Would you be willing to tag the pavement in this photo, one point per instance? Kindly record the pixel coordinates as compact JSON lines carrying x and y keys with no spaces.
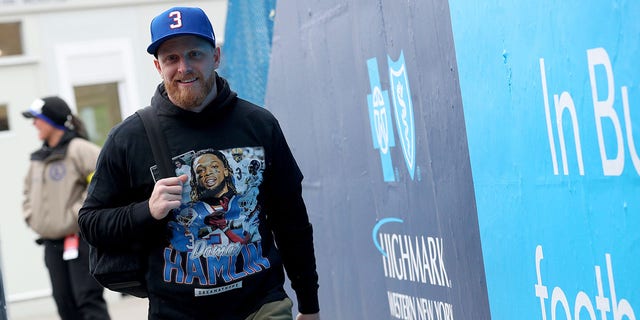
{"x":120,"y":308}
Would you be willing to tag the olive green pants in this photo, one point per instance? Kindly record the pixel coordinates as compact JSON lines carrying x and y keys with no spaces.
{"x":277,"y":310}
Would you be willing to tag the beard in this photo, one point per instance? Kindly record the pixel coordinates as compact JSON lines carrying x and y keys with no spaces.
{"x":193,"y":96}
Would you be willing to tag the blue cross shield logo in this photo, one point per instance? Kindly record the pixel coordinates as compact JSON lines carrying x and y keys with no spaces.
{"x":403,"y":109}
{"x":380,"y":120}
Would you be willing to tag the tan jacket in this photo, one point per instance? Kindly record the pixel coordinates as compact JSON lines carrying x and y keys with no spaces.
{"x":55,"y":188}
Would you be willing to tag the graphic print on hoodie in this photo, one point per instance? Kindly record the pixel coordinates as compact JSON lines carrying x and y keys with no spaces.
{"x":214,"y":237}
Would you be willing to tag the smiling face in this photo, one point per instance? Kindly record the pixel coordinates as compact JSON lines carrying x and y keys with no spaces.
{"x":187,"y":65}
{"x":211,"y":173}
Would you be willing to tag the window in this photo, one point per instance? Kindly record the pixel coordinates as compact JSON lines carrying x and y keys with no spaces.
{"x":4,"y":120}
{"x":10,"y":39}
{"x":99,"y":109}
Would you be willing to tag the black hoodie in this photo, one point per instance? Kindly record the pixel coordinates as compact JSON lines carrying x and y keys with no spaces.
{"x":215,"y":257}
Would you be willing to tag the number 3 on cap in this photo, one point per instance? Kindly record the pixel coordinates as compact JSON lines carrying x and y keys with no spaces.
{"x":177,"y":17}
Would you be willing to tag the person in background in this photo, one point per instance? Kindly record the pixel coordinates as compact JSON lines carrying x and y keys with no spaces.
{"x":54,"y":190}
{"x":193,"y":276}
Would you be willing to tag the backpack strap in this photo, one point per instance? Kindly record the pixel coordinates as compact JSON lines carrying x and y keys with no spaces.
{"x":159,"y":145}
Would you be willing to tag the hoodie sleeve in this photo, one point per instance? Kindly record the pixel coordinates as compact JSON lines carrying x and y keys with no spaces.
{"x":115,"y":214}
{"x":290,"y":223}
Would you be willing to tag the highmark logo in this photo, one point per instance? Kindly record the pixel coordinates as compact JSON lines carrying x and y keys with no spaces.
{"x":380,"y":116}
{"x":411,"y":258}
{"x":376,"y":229}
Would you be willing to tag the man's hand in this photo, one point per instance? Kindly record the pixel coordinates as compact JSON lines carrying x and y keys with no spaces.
{"x":166,"y":196}
{"x":312,"y":316}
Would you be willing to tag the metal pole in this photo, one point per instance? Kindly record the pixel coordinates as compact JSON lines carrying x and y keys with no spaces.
{"x":3,"y":303}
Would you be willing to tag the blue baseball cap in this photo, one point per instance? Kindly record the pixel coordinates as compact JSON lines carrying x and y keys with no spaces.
{"x":179,"y":21}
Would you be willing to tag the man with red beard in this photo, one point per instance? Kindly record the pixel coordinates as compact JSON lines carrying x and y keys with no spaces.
{"x":125,"y":210}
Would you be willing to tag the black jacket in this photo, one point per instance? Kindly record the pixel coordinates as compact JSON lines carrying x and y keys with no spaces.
{"x":215,"y":257}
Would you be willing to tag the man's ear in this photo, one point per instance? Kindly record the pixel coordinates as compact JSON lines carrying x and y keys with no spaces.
{"x":157,"y":64}
{"x":216,"y":57}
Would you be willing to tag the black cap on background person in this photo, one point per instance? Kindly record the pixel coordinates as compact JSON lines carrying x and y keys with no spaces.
{"x":53,"y":110}
{"x":56,"y":112}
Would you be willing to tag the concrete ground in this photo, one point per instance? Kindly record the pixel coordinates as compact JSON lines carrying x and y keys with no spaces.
{"x":120,"y":308}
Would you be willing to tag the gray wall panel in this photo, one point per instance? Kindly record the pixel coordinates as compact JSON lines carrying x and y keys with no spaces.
{"x":318,"y":87}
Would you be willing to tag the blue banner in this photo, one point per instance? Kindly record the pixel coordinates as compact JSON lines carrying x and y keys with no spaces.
{"x":551,"y":93}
